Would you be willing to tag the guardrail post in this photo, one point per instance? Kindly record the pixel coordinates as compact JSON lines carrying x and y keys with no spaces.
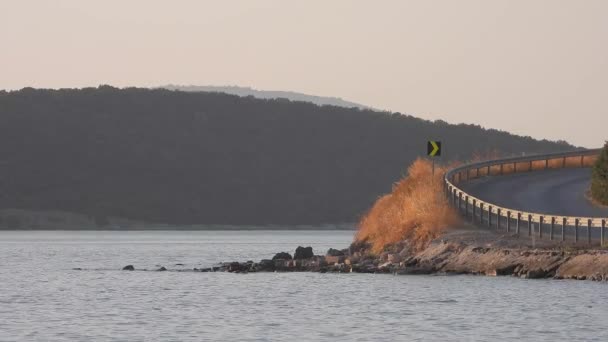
{"x":518,"y":223}
{"x":466,"y":206}
{"x":540,"y":227}
{"x":481,"y":213}
{"x":588,"y":231}
{"x":473,"y":216}
{"x":602,"y":232}
{"x":564,"y":220}
{"x":477,"y":173}
{"x":490,"y":216}
{"x":546,"y":164}
{"x":460,"y":201}
{"x":530,"y":166}
{"x":564,"y":163}
{"x":454,"y":197}
{"x":514,"y":167}
{"x":508,"y":221}
{"x":501,"y":168}
{"x":529,"y":225}
{"x":575,"y":230}
{"x":582,"y":160}
{"x":552,"y":227}
{"x":488,"y":171}
{"x":498,"y":219}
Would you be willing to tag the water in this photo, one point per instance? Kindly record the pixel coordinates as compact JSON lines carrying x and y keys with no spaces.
{"x":43,"y":299}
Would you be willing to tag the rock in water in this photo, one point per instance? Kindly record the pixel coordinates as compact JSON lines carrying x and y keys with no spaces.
{"x":128,"y":268}
{"x":235,"y":267}
{"x":303,"y":253}
{"x":334,"y":252}
{"x":282,"y":256}
{"x":162,"y":269}
{"x":266,"y":265}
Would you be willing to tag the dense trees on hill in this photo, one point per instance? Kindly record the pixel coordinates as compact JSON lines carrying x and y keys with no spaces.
{"x":599,"y":179}
{"x":184,"y":158}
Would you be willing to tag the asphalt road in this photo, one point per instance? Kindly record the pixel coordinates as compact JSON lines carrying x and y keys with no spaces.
{"x":554,"y":192}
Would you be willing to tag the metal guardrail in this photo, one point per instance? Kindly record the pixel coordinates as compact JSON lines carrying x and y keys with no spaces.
{"x":493,"y":215}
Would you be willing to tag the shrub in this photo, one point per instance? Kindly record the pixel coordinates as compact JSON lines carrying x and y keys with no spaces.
{"x":599,"y":178}
{"x":416,"y":210}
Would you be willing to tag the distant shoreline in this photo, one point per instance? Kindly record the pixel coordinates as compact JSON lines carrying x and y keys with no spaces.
{"x":168,"y":229}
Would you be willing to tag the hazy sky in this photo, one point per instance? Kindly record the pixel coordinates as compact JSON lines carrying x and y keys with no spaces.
{"x":537,"y":68}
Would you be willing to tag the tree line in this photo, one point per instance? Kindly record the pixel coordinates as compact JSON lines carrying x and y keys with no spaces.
{"x":196,"y":157}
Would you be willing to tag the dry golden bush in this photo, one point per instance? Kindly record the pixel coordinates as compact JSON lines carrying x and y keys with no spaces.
{"x":416,"y":210}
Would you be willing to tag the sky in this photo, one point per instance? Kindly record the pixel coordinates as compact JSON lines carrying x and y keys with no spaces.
{"x":531,"y":67}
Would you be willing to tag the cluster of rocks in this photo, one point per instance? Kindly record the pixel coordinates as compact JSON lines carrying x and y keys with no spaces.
{"x":356,"y":259}
{"x":303,"y":260}
{"x":440,"y":256}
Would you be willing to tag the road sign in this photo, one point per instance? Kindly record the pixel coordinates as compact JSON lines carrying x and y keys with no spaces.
{"x":433,"y":148}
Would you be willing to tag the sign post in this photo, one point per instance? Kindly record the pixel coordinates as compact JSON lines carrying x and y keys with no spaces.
{"x":433,"y":149}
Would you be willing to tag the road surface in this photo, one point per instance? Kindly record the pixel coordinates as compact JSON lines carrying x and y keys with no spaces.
{"x":560,"y":192}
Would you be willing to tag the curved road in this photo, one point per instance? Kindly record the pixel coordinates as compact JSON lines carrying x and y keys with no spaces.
{"x":559,"y":192}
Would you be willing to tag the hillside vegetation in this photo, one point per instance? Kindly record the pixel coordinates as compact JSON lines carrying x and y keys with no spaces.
{"x":191,"y":158}
{"x":599,"y":178}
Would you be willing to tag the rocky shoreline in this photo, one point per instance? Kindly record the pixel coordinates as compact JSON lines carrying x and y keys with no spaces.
{"x":508,"y":256}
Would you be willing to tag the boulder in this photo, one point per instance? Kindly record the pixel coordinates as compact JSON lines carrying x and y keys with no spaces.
{"x":282,"y":256}
{"x":385,"y":265}
{"x":265,"y":265}
{"x":303,"y":253}
{"x":284,"y":265}
{"x":334,"y":252}
{"x":128,"y":268}
{"x":506,"y":270}
{"x":161,"y":269}
{"x":537,"y":274}
{"x":331,"y":260}
{"x":393,"y":258}
{"x":235,"y":267}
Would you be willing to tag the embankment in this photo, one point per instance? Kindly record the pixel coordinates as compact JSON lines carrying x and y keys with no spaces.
{"x":463,"y":251}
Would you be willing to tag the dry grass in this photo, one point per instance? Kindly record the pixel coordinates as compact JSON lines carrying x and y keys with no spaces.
{"x":416,"y":210}
{"x":486,"y":155}
{"x":558,"y":163}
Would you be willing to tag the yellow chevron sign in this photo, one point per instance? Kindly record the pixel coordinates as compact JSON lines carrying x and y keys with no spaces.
{"x":433,"y":148}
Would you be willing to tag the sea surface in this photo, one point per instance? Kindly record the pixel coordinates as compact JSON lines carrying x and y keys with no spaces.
{"x":43,"y":299}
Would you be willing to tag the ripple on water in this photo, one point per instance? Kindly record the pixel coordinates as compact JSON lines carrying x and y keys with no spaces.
{"x":42,"y":298}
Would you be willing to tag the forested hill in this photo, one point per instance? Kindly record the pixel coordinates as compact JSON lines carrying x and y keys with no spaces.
{"x":192,"y":158}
